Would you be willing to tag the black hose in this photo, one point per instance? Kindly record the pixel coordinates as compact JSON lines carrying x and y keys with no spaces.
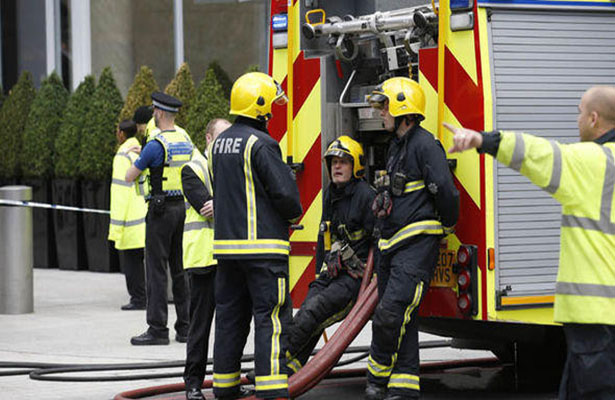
{"x":45,"y":371}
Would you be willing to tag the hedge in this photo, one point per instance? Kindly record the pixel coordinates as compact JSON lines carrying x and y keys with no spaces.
{"x":139,"y":93}
{"x":182,"y":87}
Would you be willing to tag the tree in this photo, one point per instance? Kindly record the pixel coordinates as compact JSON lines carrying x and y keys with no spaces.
{"x":42,"y":127}
{"x":68,"y":141}
{"x":223,"y":79}
{"x":98,"y":140}
{"x":139,"y":93}
{"x":182,"y":87}
{"x":210,"y":103}
{"x":12,"y":123}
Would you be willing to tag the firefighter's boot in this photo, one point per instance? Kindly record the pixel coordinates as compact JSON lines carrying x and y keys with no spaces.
{"x":374,"y":391}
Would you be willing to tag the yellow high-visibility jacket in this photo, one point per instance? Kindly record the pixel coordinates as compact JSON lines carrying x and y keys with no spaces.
{"x":127,"y":226}
{"x":198,"y":239}
{"x":581,"y":177}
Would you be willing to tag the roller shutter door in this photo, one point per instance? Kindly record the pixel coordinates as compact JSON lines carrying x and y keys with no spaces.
{"x":542,"y":63}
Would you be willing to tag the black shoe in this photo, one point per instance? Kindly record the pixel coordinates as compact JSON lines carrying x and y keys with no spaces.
{"x":132,"y":307}
{"x":239,"y":395}
{"x":194,"y":394}
{"x":181,"y":338}
{"x":399,"y":397}
{"x":374,"y":391}
{"x":147,"y":339}
{"x":251,"y":376}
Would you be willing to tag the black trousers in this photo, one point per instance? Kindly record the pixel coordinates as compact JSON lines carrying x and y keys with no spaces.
{"x":202,"y":306}
{"x":402,"y":282}
{"x":131,"y":264}
{"x":590,"y":362}
{"x":246,"y":288}
{"x":163,"y":245}
{"x":328,"y":301}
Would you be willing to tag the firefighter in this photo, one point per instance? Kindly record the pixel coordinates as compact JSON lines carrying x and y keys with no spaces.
{"x":163,"y":157}
{"x":127,"y":224}
{"x":344,"y":239}
{"x":256,"y":199}
{"x":581,"y":176}
{"x":198,"y":242}
{"x":417,"y":203}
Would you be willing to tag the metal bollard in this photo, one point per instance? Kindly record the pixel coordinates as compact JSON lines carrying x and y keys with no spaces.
{"x":16,"y":285}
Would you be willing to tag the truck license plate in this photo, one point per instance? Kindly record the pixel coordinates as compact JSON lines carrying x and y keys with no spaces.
{"x":443,"y":275}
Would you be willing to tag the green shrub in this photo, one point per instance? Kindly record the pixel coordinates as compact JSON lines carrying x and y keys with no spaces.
{"x":223,"y":79}
{"x":182,"y":87}
{"x":42,"y":127}
{"x":209,"y":103}
{"x":98,"y":139}
{"x":2,"y":96}
{"x":253,"y":68}
{"x":139,"y":93}
{"x":12,"y":123}
{"x":68,"y":141}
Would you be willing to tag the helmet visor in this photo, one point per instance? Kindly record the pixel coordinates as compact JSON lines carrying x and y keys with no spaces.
{"x":280,"y":97}
{"x":377,"y":100}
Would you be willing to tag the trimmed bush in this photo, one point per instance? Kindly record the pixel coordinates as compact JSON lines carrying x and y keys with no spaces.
{"x":98,"y":140}
{"x":68,"y":142}
{"x":223,"y":79}
{"x":254,"y":68}
{"x":139,"y":93}
{"x":2,"y":96}
{"x":209,"y":103}
{"x":12,"y":123}
{"x":42,"y":127}
{"x":182,"y":87}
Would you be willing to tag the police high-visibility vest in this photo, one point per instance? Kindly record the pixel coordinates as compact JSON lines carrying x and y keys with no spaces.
{"x":178,"y":149}
{"x":151,"y":130}
{"x":198,"y":239}
{"x":581,"y":177}
{"x":127,"y":226}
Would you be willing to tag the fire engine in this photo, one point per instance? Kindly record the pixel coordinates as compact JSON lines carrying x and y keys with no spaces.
{"x":512,"y":64}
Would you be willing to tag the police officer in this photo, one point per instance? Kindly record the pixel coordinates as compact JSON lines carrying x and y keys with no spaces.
{"x":256,"y":198}
{"x":163,"y":159}
{"x":127,"y":225}
{"x":581,"y":176}
{"x":343,"y":245}
{"x":198,"y":244}
{"x":416,"y":205}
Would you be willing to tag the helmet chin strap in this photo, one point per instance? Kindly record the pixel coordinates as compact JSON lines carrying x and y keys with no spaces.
{"x":407,"y":118}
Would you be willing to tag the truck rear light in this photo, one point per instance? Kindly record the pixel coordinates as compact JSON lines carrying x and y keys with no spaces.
{"x":463,"y":256}
{"x":464,"y":302}
{"x":463,"y":280}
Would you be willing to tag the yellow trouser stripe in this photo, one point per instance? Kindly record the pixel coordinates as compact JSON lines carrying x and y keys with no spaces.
{"x":226,"y":380}
{"x":405,"y":381}
{"x":250,"y":194}
{"x":429,"y":227}
{"x":277,"y":328}
{"x":272,"y":382}
{"x":409,"y":310}
{"x":377,"y":369}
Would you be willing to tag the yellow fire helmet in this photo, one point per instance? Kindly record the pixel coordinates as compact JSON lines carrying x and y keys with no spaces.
{"x":253,"y":94}
{"x":345,"y":146}
{"x":406,"y":97}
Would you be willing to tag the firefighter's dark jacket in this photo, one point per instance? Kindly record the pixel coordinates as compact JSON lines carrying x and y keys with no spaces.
{"x":429,"y":203}
{"x":348,"y":206}
{"x":255,"y":194}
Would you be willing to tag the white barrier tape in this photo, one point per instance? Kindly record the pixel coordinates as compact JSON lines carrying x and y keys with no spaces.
{"x":21,"y":203}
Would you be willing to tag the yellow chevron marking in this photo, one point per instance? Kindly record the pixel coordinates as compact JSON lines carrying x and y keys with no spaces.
{"x":431,"y":105}
{"x":461,"y":45}
{"x":310,"y":222}
{"x":279,"y":65}
{"x":307,"y":123}
{"x":467,"y":162}
{"x":298,"y":265}
{"x":298,"y":23}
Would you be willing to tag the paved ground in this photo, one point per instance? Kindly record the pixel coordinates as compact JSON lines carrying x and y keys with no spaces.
{"x":77,"y":320}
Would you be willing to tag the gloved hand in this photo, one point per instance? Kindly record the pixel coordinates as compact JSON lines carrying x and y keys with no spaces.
{"x":334,"y":263}
{"x":356,"y":269}
{"x":382,"y":205}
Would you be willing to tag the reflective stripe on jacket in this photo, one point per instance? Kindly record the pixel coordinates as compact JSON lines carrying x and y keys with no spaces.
{"x":256,"y":195}
{"x":581,"y":177}
{"x":127,"y":225}
{"x":198,"y":238}
{"x":178,"y":150}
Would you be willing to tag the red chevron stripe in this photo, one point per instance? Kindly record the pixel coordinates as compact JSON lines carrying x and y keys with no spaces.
{"x":428,"y":65}
{"x":306,"y":74}
{"x":303,"y":284}
{"x":462,"y":96}
{"x":309,"y":180}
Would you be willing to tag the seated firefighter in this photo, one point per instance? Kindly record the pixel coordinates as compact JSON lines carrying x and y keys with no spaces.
{"x":343,"y":245}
